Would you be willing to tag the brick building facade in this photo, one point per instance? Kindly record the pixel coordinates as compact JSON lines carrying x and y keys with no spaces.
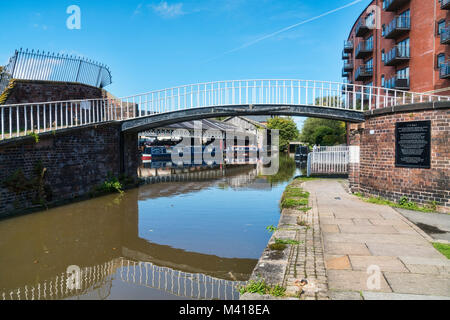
{"x":400,"y":44}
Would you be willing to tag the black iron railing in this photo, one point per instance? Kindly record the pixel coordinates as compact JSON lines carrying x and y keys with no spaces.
{"x":397,"y":54}
{"x":397,"y":26}
{"x":35,"y":65}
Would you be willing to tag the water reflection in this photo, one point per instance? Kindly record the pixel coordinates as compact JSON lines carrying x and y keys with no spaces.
{"x":207,"y":231}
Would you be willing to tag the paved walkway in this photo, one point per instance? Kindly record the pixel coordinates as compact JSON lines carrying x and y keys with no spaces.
{"x":361,"y":238}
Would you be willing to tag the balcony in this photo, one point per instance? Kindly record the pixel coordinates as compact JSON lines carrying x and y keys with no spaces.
{"x":347,"y":86}
{"x":445,"y":35}
{"x":398,"y":83}
{"x":445,"y":4}
{"x":364,"y":49}
{"x":394,"y":5}
{"x":397,"y":55}
{"x":362,"y":28}
{"x":345,"y":74}
{"x":345,"y":55}
{"x":398,"y":27}
{"x":364,"y":72}
{"x":348,"y":66}
{"x":444,"y":70}
{"x":348,"y":46}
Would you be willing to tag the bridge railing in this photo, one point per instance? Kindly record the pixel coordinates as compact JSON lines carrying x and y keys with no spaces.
{"x":22,"y":119}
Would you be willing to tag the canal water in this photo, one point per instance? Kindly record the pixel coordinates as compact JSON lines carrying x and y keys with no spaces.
{"x":199,"y":238}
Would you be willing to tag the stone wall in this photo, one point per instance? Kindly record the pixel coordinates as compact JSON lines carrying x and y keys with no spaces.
{"x":377,"y":175}
{"x":72,"y":162}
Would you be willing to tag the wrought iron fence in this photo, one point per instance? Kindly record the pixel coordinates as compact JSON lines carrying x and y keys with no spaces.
{"x":31,"y":65}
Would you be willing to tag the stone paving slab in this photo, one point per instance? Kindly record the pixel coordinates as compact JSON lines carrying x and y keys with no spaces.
{"x":363,"y":240}
{"x":348,"y":280}
{"x":399,"y":296}
{"x":365,"y":229}
{"x":385,"y":263}
{"x":419,"y":284}
{"x":343,"y":248}
{"x":411,"y":250}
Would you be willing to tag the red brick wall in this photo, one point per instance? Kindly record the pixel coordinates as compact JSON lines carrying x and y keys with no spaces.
{"x":424,"y":41}
{"x":377,"y":173}
{"x":76,"y":161}
{"x":26,"y":91}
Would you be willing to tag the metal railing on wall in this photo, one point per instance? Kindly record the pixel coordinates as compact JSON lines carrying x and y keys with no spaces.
{"x":22,"y":119}
{"x":35,"y":65}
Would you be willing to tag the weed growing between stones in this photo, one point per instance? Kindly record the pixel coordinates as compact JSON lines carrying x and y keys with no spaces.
{"x":262,"y":288}
{"x":404,"y":203}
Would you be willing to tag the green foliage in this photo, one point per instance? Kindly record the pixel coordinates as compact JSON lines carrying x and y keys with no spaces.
{"x":443,"y":248}
{"x":286,"y":242}
{"x":262,"y":288}
{"x":293,"y":203}
{"x":288,"y":131}
{"x":112,"y":185}
{"x":323,"y":132}
{"x":277,"y":246}
{"x":35,"y":136}
{"x":403,"y":203}
{"x":271,"y":229}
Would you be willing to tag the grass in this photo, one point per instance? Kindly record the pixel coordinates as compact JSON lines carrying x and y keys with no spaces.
{"x":404,"y":203}
{"x":293,"y":203}
{"x":286,"y":242}
{"x":443,"y":248}
{"x":262,"y":288}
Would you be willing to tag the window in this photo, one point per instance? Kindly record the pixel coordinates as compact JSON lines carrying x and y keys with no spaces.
{"x":403,"y":48}
{"x":383,"y":81}
{"x":383,"y":55}
{"x":440,"y":26}
{"x":403,"y":73}
{"x":440,"y":60}
{"x":369,"y":65}
{"x":383,"y":30}
{"x":369,"y":43}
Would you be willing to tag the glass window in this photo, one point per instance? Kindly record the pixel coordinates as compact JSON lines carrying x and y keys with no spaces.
{"x":383,"y":55}
{"x":403,"y":47}
{"x":403,"y":73}
{"x":440,"y":26}
{"x":383,"y":80}
{"x":440,"y":60}
{"x":383,"y":30}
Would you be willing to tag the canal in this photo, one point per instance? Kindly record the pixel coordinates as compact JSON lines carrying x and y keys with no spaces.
{"x":193,"y":239}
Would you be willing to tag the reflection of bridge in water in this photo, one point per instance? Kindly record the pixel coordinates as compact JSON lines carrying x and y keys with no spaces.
{"x":99,"y":279}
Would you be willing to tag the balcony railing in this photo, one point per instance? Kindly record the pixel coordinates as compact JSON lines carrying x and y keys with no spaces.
{"x":364,"y":72}
{"x":348,"y":46}
{"x":445,"y":35}
{"x":348,"y":66}
{"x":363,"y":27}
{"x":445,"y":4}
{"x":394,"y":5}
{"x":444,"y":70}
{"x":364,"y":49}
{"x":345,"y":74}
{"x":345,"y":55}
{"x":398,"y":83}
{"x":397,"y":55}
{"x":397,"y":27}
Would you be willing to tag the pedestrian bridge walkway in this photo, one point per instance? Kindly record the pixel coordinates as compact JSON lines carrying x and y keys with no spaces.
{"x":323,"y":99}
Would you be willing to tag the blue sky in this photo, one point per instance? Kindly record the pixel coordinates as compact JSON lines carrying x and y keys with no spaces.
{"x":152,"y":45}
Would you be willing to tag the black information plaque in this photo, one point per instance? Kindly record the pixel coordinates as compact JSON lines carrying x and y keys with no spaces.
{"x":413,"y":144}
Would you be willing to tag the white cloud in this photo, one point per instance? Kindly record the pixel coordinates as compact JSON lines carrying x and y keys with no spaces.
{"x":166,"y":10}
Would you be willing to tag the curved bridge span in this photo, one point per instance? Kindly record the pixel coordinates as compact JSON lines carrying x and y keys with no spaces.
{"x":323,"y":99}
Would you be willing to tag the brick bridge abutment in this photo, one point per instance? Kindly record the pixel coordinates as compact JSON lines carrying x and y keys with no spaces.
{"x":377,"y":174}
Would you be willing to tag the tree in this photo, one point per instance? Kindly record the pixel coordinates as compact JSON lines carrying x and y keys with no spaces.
{"x":323,"y":132}
{"x":288,"y":130}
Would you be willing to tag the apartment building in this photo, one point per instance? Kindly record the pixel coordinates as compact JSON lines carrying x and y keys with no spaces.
{"x":400,"y":44}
